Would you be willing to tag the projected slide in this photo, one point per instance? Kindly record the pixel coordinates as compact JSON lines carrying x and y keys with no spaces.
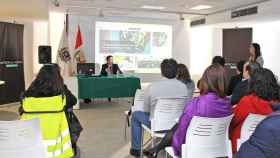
{"x":136,"y":47}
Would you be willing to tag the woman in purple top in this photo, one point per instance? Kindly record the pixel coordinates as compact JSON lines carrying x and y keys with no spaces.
{"x":211,"y":103}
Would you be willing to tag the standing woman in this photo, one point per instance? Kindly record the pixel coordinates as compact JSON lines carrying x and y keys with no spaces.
{"x":46,"y":99}
{"x":255,"y":54}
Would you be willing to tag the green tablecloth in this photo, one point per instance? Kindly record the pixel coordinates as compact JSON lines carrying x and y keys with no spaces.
{"x":114,"y":86}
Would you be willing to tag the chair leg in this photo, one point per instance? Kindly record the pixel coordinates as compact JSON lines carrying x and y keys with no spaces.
{"x":125,"y":128}
{"x":142,"y":143}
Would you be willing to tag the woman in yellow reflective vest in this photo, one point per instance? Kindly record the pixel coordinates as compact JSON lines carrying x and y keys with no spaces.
{"x":46,"y":99}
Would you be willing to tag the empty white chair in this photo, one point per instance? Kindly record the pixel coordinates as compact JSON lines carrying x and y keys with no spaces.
{"x":166,"y":112}
{"x":138,"y":104}
{"x":21,"y":139}
{"x":248,"y":127}
{"x":206,"y":138}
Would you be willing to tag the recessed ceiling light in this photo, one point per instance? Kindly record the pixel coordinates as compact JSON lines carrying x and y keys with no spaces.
{"x":201,"y":7}
{"x":153,"y":7}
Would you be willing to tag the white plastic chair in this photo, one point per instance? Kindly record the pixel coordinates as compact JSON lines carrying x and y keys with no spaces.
{"x":248,"y":127}
{"x":206,"y":138}
{"x":138,"y":102}
{"x":166,"y":112}
{"x":21,"y":139}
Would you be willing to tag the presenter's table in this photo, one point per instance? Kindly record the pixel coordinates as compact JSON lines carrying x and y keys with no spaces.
{"x":113,"y":86}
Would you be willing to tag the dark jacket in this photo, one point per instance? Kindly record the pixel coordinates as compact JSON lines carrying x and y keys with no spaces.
{"x":233,"y":82}
{"x":115,"y":68}
{"x":265,"y":141}
{"x":71,"y":100}
{"x":239,"y":91}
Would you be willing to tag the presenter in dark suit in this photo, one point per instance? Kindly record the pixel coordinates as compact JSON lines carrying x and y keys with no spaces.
{"x":110,"y":68}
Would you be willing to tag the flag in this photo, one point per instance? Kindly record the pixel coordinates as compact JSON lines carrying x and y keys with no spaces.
{"x":63,"y":56}
{"x":79,"y":54}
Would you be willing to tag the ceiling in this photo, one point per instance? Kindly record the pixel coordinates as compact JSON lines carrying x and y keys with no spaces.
{"x":132,"y":8}
{"x":37,"y":9}
{"x":122,"y":8}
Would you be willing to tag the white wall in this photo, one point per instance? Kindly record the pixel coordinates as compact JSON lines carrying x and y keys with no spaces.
{"x":35,"y":33}
{"x":266,"y":32}
{"x":180,"y":49}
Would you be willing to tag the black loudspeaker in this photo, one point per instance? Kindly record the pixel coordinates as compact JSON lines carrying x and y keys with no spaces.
{"x":45,"y":54}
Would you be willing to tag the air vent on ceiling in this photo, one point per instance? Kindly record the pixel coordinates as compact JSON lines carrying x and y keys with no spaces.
{"x":244,"y":12}
{"x":198,"y":22}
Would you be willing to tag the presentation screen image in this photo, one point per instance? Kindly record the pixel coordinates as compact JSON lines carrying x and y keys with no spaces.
{"x":136,"y":47}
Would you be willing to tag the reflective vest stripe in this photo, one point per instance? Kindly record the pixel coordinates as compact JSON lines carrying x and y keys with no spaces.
{"x":56,"y":153}
{"x":65,"y":133}
{"x":59,"y":139}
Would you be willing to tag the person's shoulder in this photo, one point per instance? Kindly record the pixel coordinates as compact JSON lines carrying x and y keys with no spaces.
{"x":271,"y":122}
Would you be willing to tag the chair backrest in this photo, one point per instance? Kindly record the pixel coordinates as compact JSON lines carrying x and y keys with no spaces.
{"x":210,"y":136}
{"x":21,"y":139}
{"x":249,"y":126}
{"x":139,"y":97}
{"x":138,"y":102}
{"x":166,"y":112}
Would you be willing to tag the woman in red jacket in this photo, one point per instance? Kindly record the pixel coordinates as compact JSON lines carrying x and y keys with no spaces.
{"x":263,"y":89}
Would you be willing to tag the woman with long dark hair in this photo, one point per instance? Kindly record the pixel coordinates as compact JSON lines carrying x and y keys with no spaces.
{"x":211,"y":103}
{"x":46,"y":99}
{"x":255,"y":54}
{"x":184,"y":76}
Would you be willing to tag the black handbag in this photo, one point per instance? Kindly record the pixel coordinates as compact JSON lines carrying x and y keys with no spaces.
{"x":75,"y":126}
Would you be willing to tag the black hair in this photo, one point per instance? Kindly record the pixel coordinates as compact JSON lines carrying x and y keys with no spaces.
{"x":257,"y":50}
{"x":47,"y":83}
{"x":240,"y":66}
{"x":263,"y":84}
{"x":108,"y":57}
{"x":169,"y":68}
{"x":252,"y":67}
{"x":219,"y":60}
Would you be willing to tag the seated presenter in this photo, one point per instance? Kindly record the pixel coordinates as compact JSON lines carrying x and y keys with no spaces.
{"x":110,"y":68}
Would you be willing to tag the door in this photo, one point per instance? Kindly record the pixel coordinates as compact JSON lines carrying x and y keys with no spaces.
{"x":236,"y":43}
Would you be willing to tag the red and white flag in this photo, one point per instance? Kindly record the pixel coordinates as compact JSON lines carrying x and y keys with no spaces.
{"x":79,"y":54}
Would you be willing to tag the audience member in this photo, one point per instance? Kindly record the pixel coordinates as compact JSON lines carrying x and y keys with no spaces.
{"x":219,"y":60}
{"x":255,"y":54}
{"x":241,"y":88}
{"x":237,"y":78}
{"x":263,"y":89}
{"x":264,"y":143}
{"x":216,"y":60}
{"x":46,"y":99}
{"x":168,"y":87}
{"x":184,"y":76}
{"x":211,"y":103}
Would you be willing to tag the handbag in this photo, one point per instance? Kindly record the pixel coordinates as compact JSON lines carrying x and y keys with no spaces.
{"x":75,"y":126}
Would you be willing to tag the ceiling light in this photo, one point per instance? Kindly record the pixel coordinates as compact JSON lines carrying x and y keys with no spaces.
{"x":201,"y":7}
{"x":153,"y":7}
